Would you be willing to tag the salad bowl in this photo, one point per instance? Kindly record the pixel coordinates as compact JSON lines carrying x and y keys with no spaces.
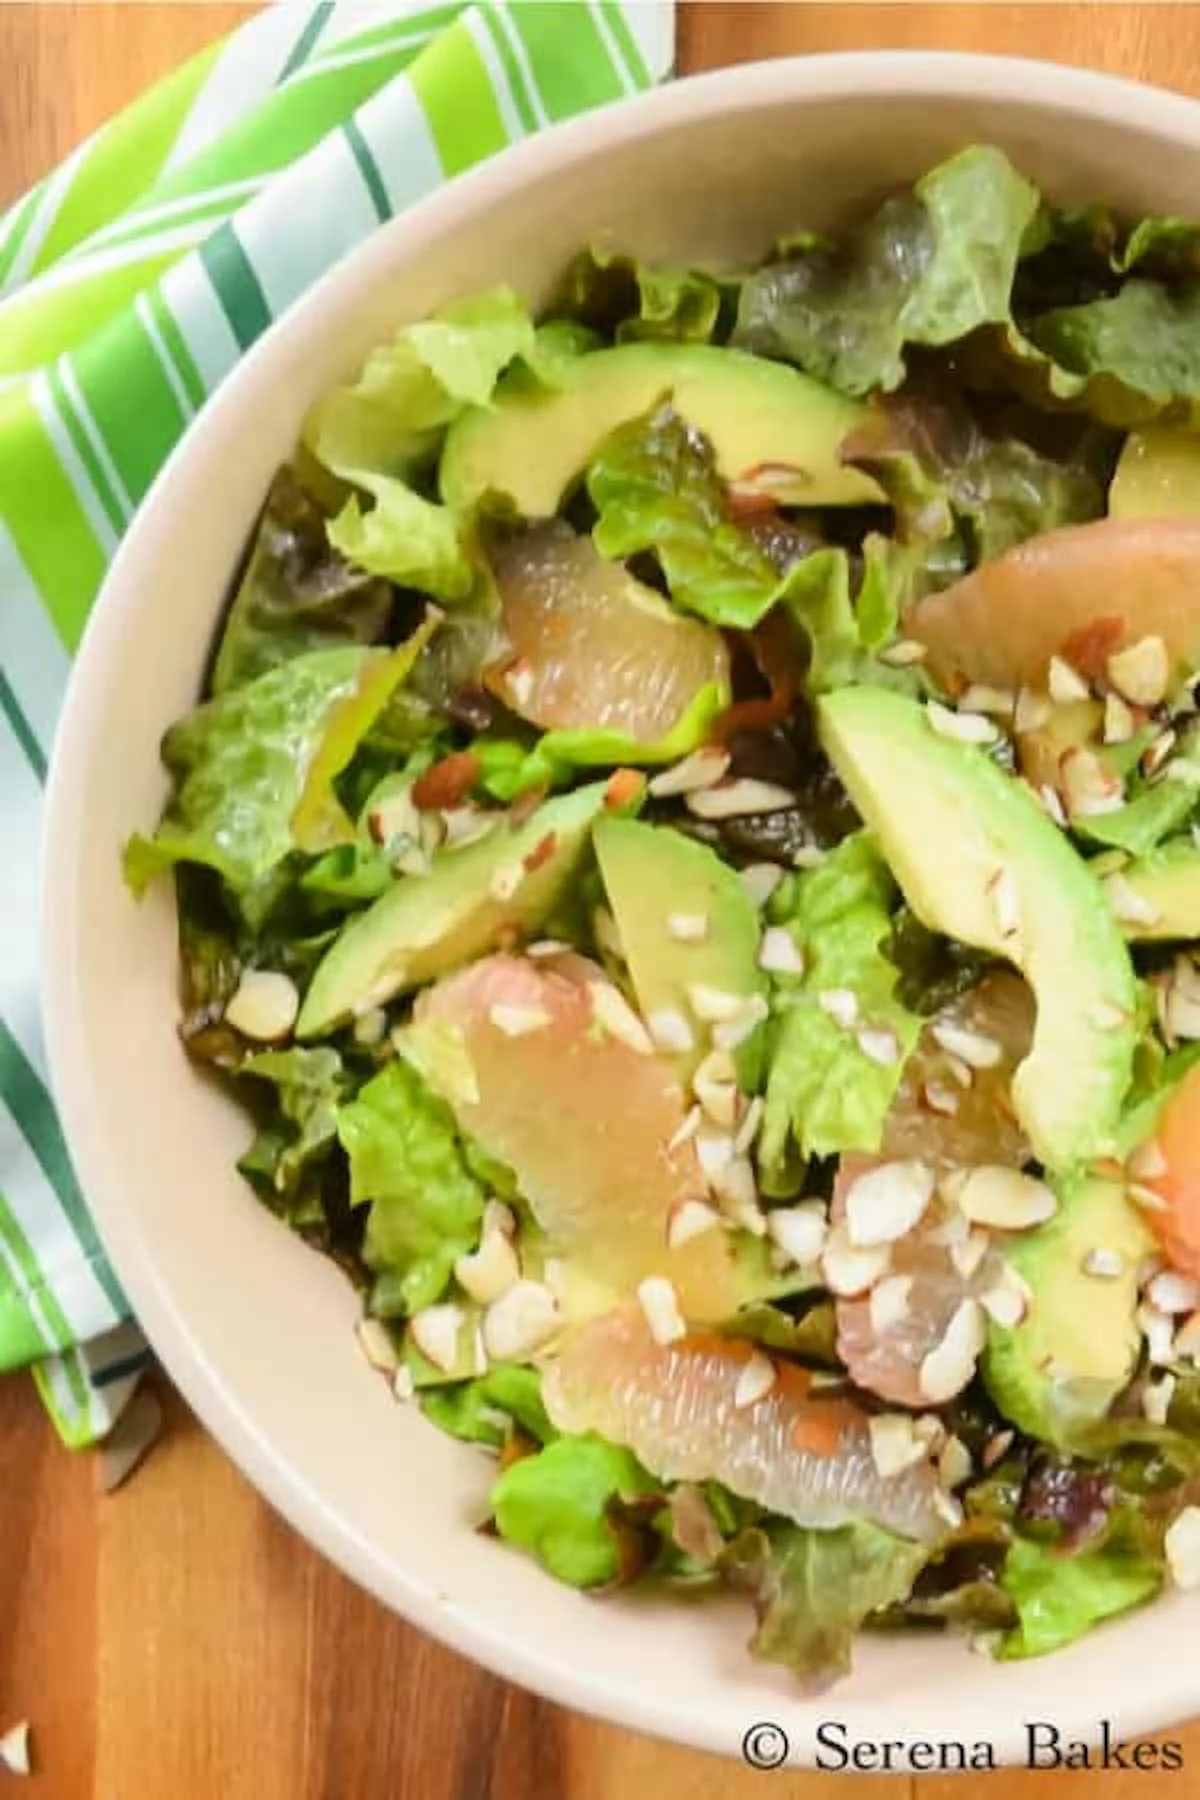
{"x":258,"y":1332}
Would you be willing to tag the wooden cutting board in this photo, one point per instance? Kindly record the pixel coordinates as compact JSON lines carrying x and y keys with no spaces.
{"x":176,"y":1641}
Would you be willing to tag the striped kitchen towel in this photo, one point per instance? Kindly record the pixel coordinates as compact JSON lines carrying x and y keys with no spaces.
{"x":131,"y":281}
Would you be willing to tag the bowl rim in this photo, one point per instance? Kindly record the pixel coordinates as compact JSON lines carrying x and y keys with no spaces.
{"x":803,"y":79}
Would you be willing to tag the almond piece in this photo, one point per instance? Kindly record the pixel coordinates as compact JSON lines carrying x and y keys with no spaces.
{"x":889,"y":1302}
{"x":435,"y":1332}
{"x":885,"y":1204}
{"x":946,"y":1371}
{"x":962,"y":728}
{"x":848,"y":1269}
{"x":895,"y":1446}
{"x":489,"y":1272}
{"x":1141,"y":672}
{"x":264,"y":1005}
{"x":1004,"y":1199}
{"x":755,"y":1381}
{"x":1065,"y":683}
{"x":660,"y":1304}
{"x":739,"y":799}
{"x":779,"y":953}
{"x":701,"y":769}
{"x":800,"y":1231}
{"x":760,"y":881}
{"x":521,"y":1321}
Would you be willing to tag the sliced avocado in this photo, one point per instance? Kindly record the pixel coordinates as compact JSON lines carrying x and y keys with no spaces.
{"x":1166,"y":883}
{"x":427,"y":924}
{"x":1077,"y":1347}
{"x":653,"y":875}
{"x":758,"y":415}
{"x":979,"y":861}
{"x":1158,"y":475}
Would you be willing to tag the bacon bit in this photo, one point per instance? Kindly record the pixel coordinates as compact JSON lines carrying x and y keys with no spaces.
{"x":1089,"y":648}
{"x":541,"y":852}
{"x":624,"y":786}
{"x":818,"y":1433}
{"x":448,"y":782}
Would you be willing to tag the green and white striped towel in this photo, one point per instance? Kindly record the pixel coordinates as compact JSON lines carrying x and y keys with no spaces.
{"x":131,"y":281}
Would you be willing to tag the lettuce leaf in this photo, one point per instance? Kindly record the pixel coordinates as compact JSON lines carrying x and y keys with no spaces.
{"x":297,"y":593}
{"x":1144,"y":821}
{"x":656,"y":490}
{"x":568,"y":1507}
{"x":407,"y":1163}
{"x":300,"y":1129}
{"x":625,"y":300}
{"x":1139,"y":349}
{"x":927,"y":267}
{"x":488,"y":1409}
{"x":1058,"y":1598}
{"x":821,"y":1085}
{"x":380,"y":434}
{"x":812,"y":1590}
{"x":241,"y":763}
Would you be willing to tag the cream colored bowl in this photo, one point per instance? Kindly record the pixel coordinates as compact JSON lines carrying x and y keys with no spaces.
{"x":256,"y":1329}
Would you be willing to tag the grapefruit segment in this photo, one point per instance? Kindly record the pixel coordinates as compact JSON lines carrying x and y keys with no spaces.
{"x":883,"y":1348}
{"x":535,"y":1074}
{"x":593,"y":649}
{"x":1178,"y":1228}
{"x":804,"y":1455}
{"x":1002,"y":623}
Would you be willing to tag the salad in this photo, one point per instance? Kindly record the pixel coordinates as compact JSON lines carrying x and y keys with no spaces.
{"x":689,"y":855}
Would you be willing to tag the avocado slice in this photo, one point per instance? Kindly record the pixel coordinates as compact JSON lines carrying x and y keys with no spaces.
{"x":653,"y":874}
{"x":1167,"y":882}
{"x":427,"y":924}
{"x":1157,"y":475}
{"x":979,"y":861}
{"x":1077,"y":1347}
{"x":759,"y":415}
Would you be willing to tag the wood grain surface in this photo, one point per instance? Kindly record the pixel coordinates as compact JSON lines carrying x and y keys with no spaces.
{"x":176,"y":1641}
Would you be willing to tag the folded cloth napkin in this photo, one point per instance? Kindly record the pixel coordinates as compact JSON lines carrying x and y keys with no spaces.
{"x":131,"y":281}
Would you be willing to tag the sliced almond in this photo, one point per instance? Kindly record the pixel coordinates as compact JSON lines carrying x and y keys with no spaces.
{"x":1007,"y":1300}
{"x":545,"y":948}
{"x":613,"y":1013}
{"x":728,"y":1034}
{"x":1141,"y":672}
{"x":520,"y":1322}
{"x":1033,"y":710}
{"x":690,"y":1219}
{"x":850,"y":1269}
{"x":715,"y":1087}
{"x":904,"y":653}
{"x":841,"y":1004}
{"x":1065,"y":683}
{"x":264,"y":1005}
{"x":660,"y":1305}
{"x":931,"y":1431}
{"x":1157,"y":753}
{"x":1004,"y":1199}
{"x":714,"y":1151}
{"x":1128,"y":906}
{"x":435,"y":1331}
{"x":518,"y":1021}
{"x":491,"y":1270}
{"x":1052,"y":806}
{"x":1147,"y":1162}
{"x":800,"y":1231}
{"x":734,"y":1184}
{"x":404,"y":1388}
{"x":687,"y":928}
{"x":997,"y":1448}
{"x":947,"y":1370}
{"x":1105,"y":1265}
{"x":954,"y":1463}
{"x":968,"y":1255}
{"x":15,"y":1749}
{"x":760,"y":881}
{"x":999,"y":702}
{"x":885,"y":1204}
{"x":779,"y":953}
{"x":748,"y":1125}
{"x":712,"y":1005}
{"x":700,"y":770}
{"x":1182,"y":1545}
{"x":686,"y":1130}
{"x":1119,"y":722}
{"x":1158,"y":1329}
{"x":940,"y":1098}
{"x":970,"y":1047}
{"x":670,"y":1031}
{"x":1171,"y":1292}
{"x":755,"y":1381}
{"x":377,"y":1346}
{"x":1089,"y":786}
{"x":889,"y":1302}
{"x":879,"y":1045}
{"x":739,"y":799}
{"x":1182,"y":1002}
{"x":960,"y":727}
{"x":1156,"y":1399}
{"x":895,"y":1446}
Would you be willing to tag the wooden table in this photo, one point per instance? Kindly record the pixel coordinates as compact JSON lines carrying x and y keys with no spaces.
{"x":176,"y":1641}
